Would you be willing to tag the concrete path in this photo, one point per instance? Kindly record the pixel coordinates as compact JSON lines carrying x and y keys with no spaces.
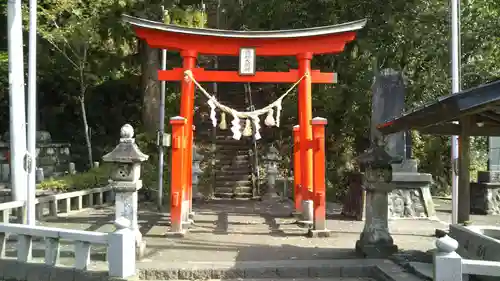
{"x":235,"y":233}
{"x":243,"y":230}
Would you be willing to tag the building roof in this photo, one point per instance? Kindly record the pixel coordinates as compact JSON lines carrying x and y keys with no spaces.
{"x":481,"y":103}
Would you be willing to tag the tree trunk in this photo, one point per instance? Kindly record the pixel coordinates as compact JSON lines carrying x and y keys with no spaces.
{"x":86,"y":128}
{"x":150,"y":86}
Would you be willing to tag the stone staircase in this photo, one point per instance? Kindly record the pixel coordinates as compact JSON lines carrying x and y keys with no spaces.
{"x":233,"y":163}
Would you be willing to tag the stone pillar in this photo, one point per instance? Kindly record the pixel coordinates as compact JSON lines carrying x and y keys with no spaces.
{"x":125,"y":176}
{"x":272,"y":157}
{"x":411,"y":197}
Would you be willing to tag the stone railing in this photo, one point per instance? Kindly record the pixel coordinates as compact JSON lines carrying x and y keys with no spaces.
{"x":120,"y":247}
{"x":450,"y":266}
{"x":7,"y":208}
{"x":72,"y":201}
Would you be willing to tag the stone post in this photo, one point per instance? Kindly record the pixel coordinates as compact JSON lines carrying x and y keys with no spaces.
{"x":272,"y":157}
{"x":447,"y":263}
{"x":121,"y":248}
{"x":375,"y":241}
{"x":319,"y":172}
{"x":177,"y":181}
{"x":125,"y":180}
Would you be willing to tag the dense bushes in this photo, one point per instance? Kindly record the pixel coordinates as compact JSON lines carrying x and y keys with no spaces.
{"x":95,"y":177}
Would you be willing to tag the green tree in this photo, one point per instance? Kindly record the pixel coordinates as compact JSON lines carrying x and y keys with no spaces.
{"x":73,"y":30}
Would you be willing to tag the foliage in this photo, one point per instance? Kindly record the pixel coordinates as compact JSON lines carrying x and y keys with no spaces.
{"x":87,"y":39}
{"x":95,"y":177}
{"x":4,"y":89}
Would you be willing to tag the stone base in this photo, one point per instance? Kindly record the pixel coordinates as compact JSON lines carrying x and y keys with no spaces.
{"x":172,"y":234}
{"x":305,"y":224}
{"x":325,"y":233}
{"x":375,"y":251}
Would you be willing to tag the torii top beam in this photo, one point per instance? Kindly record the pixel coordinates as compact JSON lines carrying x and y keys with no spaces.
{"x":318,"y":40}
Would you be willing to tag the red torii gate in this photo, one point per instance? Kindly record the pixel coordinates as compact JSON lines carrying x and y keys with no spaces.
{"x":301,"y":43}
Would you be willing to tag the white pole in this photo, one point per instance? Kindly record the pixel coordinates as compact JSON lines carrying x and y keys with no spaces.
{"x":32,"y":112}
{"x":17,"y":124}
{"x":161,"y":131}
{"x":455,"y":88}
{"x":161,"y":128}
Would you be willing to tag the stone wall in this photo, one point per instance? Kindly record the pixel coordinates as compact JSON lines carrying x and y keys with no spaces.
{"x":53,"y":158}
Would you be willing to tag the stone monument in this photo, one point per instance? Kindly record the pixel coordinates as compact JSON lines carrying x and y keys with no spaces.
{"x":125,"y":180}
{"x":411,"y":198}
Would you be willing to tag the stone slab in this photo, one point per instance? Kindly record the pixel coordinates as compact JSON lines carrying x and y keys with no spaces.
{"x":408,"y":165}
{"x":405,"y":177}
{"x":476,"y":246}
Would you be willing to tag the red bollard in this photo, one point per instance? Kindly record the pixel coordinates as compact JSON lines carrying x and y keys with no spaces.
{"x":319,"y":179}
{"x":297,"y":192}
{"x":178,"y":184}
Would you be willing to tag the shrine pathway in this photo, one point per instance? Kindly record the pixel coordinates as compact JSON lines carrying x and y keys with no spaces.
{"x":232,"y":232}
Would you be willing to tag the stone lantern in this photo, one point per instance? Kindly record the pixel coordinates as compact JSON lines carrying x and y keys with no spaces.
{"x":197,"y":171}
{"x":375,"y":240}
{"x":125,"y":179}
{"x":272,"y":157}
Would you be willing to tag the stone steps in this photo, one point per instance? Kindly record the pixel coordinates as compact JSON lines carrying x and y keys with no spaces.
{"x":283,"y":270}
{"x":236,"y":190}
{"x":224,"y":183}
{"x":234,"y":158}
{"x":233,"y":194}
{"x":231,"y":177}
{"x":233,"y":169}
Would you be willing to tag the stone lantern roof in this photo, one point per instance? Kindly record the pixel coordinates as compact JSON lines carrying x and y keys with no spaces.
{"x":127,"y":150}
